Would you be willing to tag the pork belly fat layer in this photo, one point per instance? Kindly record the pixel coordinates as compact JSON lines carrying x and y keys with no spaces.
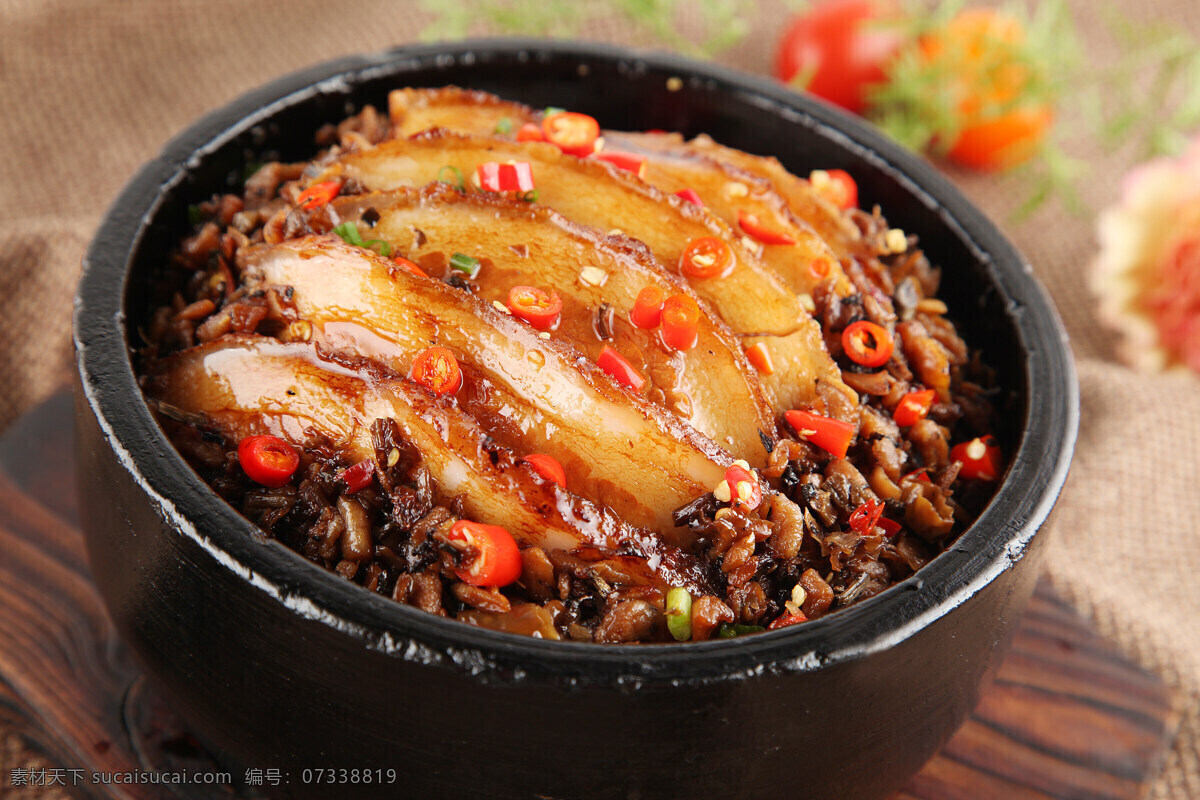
{"x":617,"y":448}
{"x":246,"y":385}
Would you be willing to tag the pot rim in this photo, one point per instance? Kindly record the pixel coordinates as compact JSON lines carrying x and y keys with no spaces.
{"x":996,"y":540}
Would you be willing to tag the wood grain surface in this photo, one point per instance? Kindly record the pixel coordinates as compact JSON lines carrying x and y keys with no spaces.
{"x":1067,"y":716}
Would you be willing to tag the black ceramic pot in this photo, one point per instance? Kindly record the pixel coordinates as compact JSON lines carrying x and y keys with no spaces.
{"x":288,"y":666}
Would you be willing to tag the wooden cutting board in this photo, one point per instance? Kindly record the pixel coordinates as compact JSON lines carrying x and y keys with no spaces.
{"x":1067,"y":716}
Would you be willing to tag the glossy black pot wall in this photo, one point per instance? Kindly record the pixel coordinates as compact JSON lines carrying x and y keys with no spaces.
{"x":288,"y":666}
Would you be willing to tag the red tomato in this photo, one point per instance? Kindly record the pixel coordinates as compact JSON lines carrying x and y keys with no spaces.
{"x":840,"y":47}
{"x":548,"y":467}
{"x":680,"y":322}
{"x":268,"y":460}
{"x":437,"y":370}
{"x":533,"y":305}
{"x":496,"y":560}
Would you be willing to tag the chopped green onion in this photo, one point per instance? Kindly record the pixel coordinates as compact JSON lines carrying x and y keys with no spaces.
{"x":554,"y":110}
{"x":458,"y":182}
{"x":194,"y":215}
{"x":529,"y":197}
{"x":679,"y":613}
{"x":383,"y":248}
{"x":729,"y":631}
{"x":465,"y":264}
{"x":349,"y":233}
{"x":504,"y":126}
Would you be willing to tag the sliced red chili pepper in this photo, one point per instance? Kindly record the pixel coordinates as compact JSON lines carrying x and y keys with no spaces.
{"x":847,"y":189}
{"x":617,"y":366}
{"x":890,"y":527}
{"x":691,"y":196}
{"x":837,"y":186}
{"x":981,"y":459}
{"x":867,"y":343}
{"x":359,"y":476}
{"x":819,"y":268}
{"x":437,"y":370}
{"x":410,"y":266}
{"x":831,"y":435}
{"x":760,"y":357}
{"x":318,"y":194}
{"x":647,"y":309}
{"x":533,"y":305}
{"x":756,"y":230}
{"x":680,"y":322}
{"x":548,"y":467}
{"x":495,"y":176}
{"x":268,"y":460}
{"x":630,"y":162}
{"x":706,"y":257}
{"x":744,"y":489}
{"x":864,"y":518}
{"x":786,"y":620}
{"x":493,"y":558}
{"x":913,"y":407}
{"x":529,"y":132}
{"x":920,"y":474}
{"x":571,"y":132}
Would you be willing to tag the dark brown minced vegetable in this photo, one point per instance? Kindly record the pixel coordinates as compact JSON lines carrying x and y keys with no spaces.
{"x":802,"y":553}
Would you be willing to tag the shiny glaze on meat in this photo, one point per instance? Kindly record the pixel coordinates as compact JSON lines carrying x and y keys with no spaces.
{"x":245,"y":385}
{"x":638,"y":458}
{"x":711,"y":385}
{"x":752,"y":299}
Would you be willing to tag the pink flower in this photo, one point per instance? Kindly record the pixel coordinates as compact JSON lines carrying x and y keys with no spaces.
{"x":1147,"y":273}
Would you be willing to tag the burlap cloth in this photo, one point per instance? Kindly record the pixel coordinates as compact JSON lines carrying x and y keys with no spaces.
{"x":90,"y":89}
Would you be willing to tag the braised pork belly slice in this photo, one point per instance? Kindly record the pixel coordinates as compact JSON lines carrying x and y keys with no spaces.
{"x":412,"y":110}
{"x":729,"y":188}
{"x":531,"y":394}
{"x":597,"y":278}
{"x":748,"y":203}
{"x":245,"y":385}
{"x":842,"y":235}
{"x":751,"y":298}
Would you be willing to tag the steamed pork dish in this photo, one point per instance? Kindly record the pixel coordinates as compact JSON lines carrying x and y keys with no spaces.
{"x":510,"y":368}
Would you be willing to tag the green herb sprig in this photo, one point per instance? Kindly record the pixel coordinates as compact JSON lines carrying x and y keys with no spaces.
{"x":723,"y":22}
